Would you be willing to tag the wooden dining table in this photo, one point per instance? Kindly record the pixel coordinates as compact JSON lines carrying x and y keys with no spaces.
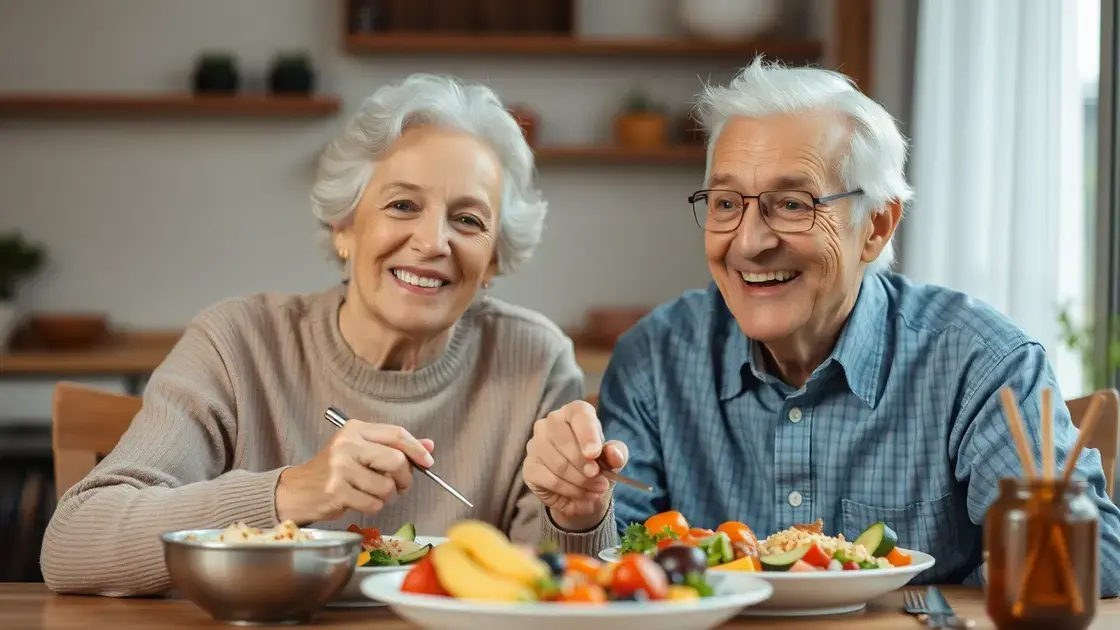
{"x":28,"y":606}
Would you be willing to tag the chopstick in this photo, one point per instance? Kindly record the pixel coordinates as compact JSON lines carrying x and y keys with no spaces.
{"x":1015,"y":423}
{"x":336,"y":417}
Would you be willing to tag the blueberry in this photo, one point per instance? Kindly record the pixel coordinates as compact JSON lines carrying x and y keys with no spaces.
{"x":557,"y":562}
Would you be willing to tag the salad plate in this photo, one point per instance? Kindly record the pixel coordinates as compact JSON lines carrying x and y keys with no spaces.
{"x":383,"y":554}
{"x":480,"y":579}
{"x":811,"y":573}
{"x":732,"y":593}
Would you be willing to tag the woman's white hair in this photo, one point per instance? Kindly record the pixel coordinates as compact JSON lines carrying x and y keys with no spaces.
{"x":875,"y":159}
{"x":347,"y":163}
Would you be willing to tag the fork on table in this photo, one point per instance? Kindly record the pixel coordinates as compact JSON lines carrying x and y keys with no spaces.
{"x":914,"y":603}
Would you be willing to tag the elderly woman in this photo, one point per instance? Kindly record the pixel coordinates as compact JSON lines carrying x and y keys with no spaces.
{"x":426,"y":196}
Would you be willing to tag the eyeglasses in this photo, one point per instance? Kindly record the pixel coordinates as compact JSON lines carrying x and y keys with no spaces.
{"x":786,"y":211}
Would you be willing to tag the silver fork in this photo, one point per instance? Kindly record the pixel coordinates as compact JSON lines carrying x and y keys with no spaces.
{"x":914,"y":603}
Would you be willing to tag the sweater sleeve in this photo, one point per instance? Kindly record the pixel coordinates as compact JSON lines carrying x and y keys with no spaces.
{"x":170,"y":471}
{"x":563,"y":385}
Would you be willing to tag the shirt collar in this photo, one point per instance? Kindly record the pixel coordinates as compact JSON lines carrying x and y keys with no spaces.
{"x":859,"y":351}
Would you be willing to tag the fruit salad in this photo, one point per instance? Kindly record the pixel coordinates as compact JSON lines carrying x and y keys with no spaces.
{"x":733,"y":546}
{"x":387,"y":551}
{"x":479,"y":563}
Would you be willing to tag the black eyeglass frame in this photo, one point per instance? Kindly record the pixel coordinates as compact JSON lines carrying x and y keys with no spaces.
{"x":817,"y":201}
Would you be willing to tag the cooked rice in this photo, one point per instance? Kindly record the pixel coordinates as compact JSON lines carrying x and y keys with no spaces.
{"x":795,"y":536}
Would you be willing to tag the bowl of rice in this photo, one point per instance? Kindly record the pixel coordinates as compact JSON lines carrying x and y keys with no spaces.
{"x":248,"y":575}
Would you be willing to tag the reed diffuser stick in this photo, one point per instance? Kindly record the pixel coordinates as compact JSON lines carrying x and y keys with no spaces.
{"x":1047,"y":433}
{"x":1011,"y":408}
{"x":1088,"y":425}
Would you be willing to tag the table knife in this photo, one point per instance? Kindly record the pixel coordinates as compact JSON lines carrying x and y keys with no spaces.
{"x":941,"y":614}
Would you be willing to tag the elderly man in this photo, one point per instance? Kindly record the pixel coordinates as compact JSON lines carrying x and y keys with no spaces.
{"x":808,"y":381}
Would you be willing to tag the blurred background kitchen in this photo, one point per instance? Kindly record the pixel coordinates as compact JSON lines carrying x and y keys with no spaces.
{"x":156,"y":157}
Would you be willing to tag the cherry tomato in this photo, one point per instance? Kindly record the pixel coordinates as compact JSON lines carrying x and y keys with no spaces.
{"x":674,"y":520}
{"x":700,"y":532}
{"x":638,"y":572}
{"x":739,"y":533}
{"x":421,"y":579}
{"x":585,"y":594}
{"x":851,"y":565}
{"x":584,"y":565}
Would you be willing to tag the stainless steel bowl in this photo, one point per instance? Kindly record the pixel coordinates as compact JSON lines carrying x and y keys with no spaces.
{"x":260,"y":583}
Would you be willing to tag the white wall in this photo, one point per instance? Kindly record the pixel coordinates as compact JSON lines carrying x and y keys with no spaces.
{"x":153,"y":221}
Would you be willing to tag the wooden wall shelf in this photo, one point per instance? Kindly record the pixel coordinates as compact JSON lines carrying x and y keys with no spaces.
{"x":607,"y":154}
{"x":790,"y":50}
{"x":37,"y":105}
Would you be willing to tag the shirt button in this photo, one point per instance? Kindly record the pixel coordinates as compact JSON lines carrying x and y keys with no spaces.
{"x":795,"y":498}
{"x":795,"y":415}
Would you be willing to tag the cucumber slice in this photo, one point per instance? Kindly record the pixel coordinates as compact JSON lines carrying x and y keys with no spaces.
{"x":878,"y":539}
{"x":413,"y":556}
{"x":406,"y":532}
{"x":783,"y":561}
{"x":726,"y":548}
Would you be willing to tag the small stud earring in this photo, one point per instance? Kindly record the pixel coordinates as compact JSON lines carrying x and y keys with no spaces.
{"x":486,"y":284}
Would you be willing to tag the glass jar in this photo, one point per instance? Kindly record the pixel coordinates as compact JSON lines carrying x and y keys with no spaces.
{"x":1041,"y":539}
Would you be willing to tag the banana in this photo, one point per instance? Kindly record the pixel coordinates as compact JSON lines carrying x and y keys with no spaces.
{"x":490,"y":548}
{"x":465,"y":579}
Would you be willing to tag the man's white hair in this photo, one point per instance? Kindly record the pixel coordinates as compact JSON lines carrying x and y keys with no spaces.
{"x":875,"y":156}
{"x":347,"y":163}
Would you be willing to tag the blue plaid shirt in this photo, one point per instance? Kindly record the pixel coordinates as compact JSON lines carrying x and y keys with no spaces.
{"x":901,"y":424}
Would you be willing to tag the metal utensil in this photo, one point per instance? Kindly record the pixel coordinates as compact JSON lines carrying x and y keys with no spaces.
{"x":336,"y":417}
{"x":617,"y":478}
{"x":933,"y":608}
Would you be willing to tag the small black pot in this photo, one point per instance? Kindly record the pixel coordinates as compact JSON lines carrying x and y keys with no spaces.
{"x":291,"y":77}
{"x":216,"y":76}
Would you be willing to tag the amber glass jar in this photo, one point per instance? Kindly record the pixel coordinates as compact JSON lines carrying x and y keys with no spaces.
{"x":1041,"y":539}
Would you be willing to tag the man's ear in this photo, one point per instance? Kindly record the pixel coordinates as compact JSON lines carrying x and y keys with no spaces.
{"x":879,"y":230}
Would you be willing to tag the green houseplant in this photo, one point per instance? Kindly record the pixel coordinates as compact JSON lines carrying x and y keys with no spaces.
{"x":1082,"y":339}
{"x":642,"y":123}
{"x":19,"y":261}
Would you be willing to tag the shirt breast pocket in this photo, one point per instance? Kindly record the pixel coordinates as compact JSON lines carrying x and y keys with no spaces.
{"x":927,"y":526}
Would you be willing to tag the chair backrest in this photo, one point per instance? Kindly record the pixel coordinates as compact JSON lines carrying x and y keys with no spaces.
{"x":1106,"y":437}
{"x":86,"y":424}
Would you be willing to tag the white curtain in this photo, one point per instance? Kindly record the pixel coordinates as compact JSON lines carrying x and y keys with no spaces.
{"x":997,"y":163}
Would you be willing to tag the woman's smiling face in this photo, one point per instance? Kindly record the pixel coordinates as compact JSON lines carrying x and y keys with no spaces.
{"x":422,"y":239}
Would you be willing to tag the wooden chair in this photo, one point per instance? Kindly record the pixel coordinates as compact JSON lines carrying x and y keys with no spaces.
{"x":86,"y":425}
{"x":1106,"y":439}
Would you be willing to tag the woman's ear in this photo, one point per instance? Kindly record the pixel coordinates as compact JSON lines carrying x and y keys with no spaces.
{"x":491,"y":270}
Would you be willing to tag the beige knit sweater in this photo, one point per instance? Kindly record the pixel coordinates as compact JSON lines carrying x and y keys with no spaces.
{"x":242,"y":396}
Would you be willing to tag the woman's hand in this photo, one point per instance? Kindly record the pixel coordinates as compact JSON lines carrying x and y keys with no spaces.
{"x":361,"y":468}
{"x":562,"y":465}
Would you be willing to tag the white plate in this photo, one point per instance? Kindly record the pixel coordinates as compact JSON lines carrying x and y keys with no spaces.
{"x":824,"y":592}
{"x":733,"y":592}
{"x":352,"y":597}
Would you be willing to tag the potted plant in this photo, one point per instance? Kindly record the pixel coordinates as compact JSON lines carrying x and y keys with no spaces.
{"x":1083,"y":341}
{"x":642,"y":123}
{"x":19,"y":260}
{"x":291,"y":73}
{"x":216,"y":73}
